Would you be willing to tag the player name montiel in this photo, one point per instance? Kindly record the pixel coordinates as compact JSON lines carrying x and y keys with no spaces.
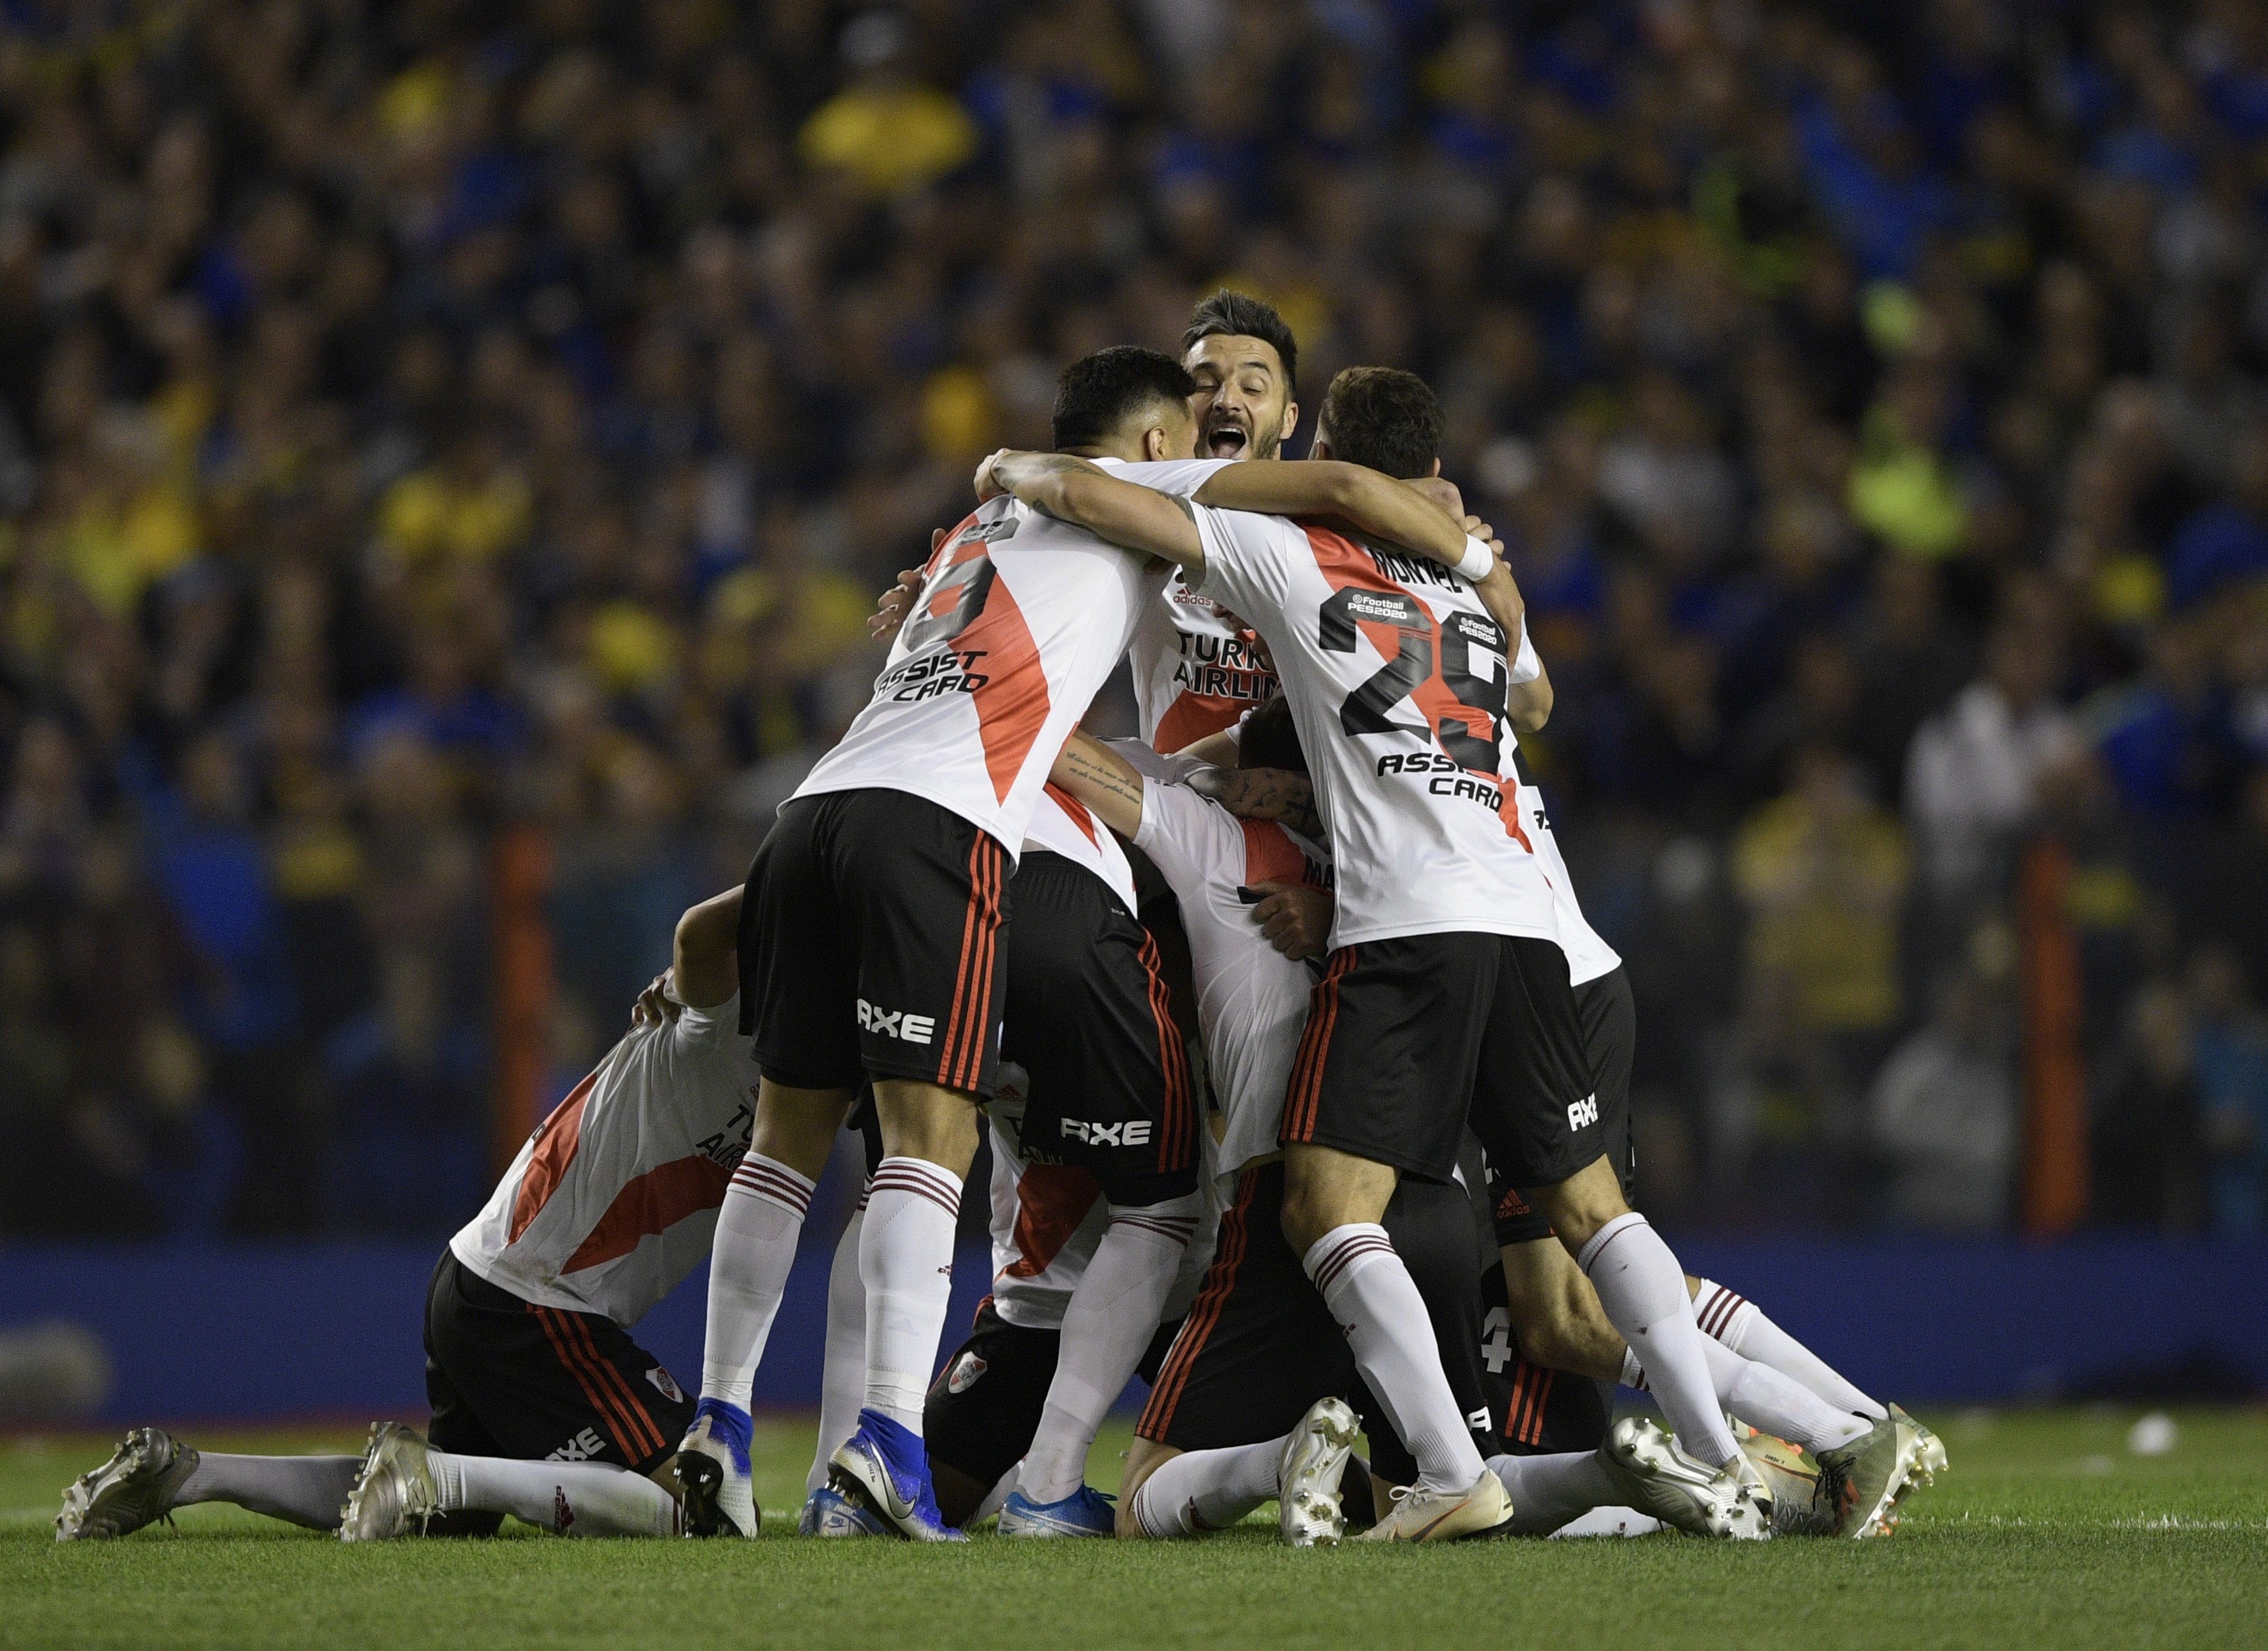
{"x":1223,"y":668}
{"x":948,"y":671}
{"x":1444,"y":777}
{"x":1413,"y":570}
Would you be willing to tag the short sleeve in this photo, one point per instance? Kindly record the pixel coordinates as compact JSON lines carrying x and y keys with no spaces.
{"x":1191,"y":839}
{"x":1527,"y":664}
{"x":1246,"y":568}
{"x":711,"y":1028}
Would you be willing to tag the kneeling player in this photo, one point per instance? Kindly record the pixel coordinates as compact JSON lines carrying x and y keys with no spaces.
{"x":544,"y":1406}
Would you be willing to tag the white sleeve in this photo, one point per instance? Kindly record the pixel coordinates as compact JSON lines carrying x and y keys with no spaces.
{"x":1193,"y":841}
{"x":709,"y":1028}
{"x":1246,"y":568}
{"x":1527,"y":664}
{"x":1169,"y":767}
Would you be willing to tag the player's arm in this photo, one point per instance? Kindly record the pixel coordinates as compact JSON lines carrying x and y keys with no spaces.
{"x":1528,"y":705}
{"x":1215,"y":750}
{"x":1376,"y":505}
{"x":1085,"y":495}
{"x":1105,"y":782}
{"x":704,"y":964}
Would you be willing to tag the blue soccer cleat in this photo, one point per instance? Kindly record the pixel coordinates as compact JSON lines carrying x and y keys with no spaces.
{"x":829,"y":1513}
{"x":716,"y":1495}
{"x":884,"y":1469}
{"x":1086,"y":1511}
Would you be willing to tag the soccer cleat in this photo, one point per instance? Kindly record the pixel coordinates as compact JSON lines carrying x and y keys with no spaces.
{"x":1481,"y":1510}
{"x":1860,"y":1483}
{"x":394,"y":1488}
{"x":716,"y":1495}
{"x":1655,"y":1477}
{"x":827,"y":1512}
{"x":1926,"y":1457}
{"x":136,"y":1487}
{"x":884,"y":1468}
{"x":1309,"y":1474}
{"x":1793,"y":1479}
{"x":1086,"y":1511}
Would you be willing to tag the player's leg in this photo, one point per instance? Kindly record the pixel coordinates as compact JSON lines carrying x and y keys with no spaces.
{"x":152,"y":1473}
{"x":1239,"y":1402}
{"x":1394,"y":1026}
{"x":559,"y":1418}
{"x":1089,"y":1017}
{"x":983,"y":1410}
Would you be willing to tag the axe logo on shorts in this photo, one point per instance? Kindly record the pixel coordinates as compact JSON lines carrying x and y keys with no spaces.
{"x":1581,"y":1114}
{"x":908,"y":1029}
{"x":1134,"y":1133}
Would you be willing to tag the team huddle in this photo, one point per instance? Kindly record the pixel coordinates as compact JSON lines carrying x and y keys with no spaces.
{"x":1305,"y":1079}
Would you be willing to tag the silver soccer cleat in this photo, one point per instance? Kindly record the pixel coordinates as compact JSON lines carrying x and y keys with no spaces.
{"x":394,"y":1489}
{"x":136,"y":1487}
{"x":1308,"y":1475}
{"x":1656,"y":1477}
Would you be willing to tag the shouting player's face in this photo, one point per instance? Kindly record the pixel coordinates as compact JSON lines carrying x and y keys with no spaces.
{"x":1243,"y":406}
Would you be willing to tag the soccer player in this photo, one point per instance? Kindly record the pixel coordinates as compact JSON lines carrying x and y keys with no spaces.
{"x":544,"y":1407}
{"x":874,"y":926}
{"x":1447,"y":995}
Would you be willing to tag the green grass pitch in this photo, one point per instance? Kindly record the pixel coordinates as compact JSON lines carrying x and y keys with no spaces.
{"x":2049,"y":1533}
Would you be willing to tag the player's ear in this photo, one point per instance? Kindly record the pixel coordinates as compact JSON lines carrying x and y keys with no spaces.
{"x":1291,"y":422}
{"x":1436,"y":470}
{"x":1155,"y":443}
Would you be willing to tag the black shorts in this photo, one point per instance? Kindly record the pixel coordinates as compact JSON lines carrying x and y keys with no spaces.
{"x":1535,"y":1411}
{"x":507,"y":1378}
{"x":1259,"y":1347}
{"x":1410,"y":1040}
{"x":1089,"y":1020}
{"x":984,"y":1406}
{"x":1609,"y":1016}
{"x":869,"y":944}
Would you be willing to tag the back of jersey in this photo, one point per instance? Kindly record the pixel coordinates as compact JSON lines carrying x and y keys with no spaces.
{"x":1019,"y":621}
{"x":1397,"y":679}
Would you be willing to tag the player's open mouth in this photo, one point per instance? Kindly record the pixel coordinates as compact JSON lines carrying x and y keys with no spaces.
{"x":1225,"y":441}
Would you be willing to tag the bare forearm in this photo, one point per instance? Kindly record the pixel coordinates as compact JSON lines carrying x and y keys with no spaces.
{"x":1374,"y":504}
{"x":704,"y":964}
{"x":1137,"y":518}
{"x":1103,"y":780}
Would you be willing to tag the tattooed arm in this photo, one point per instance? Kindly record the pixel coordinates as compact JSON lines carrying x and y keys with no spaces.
{"x":1263,"y":793}
{"x":1103,"y":780}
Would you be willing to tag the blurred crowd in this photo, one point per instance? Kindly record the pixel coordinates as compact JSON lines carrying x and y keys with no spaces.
{"x":421,"y":420}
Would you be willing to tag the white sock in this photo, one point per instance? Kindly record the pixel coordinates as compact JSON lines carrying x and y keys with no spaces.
{"x":748,"y":1263}
{"x":1763,"y":1397}
{"x":905,"y":1260}
{"x":1370,"y":1293}
{"x":1642,"y":1288}
{"x":1547,"y":1492}
{"x":310,"y":1491}
{"x":842,"y":1380}
{"x":571,"y":1499}
{"x":1741,"y":1325}
{"x":993,"y":1498}
{"x":1200,"y":1491}
{"x":1110,"y":1318}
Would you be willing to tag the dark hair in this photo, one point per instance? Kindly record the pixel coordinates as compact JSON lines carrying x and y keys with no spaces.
{"x":1239,"y":315}
{"x":1097,"y":393}
{"x":1269,"y":739}
{"x":1383,"y":418}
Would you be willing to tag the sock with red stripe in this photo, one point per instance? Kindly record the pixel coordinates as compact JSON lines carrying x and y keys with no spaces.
{"x":1370,"y":1293}
{"x":1547,"y":1492}
{"x":1111,"y":1317}
{"x":1764,"y":1398}
{"x":1741,"y":1325}
{"x":1642,"y":1288}
{"x":749,"y":1262}
{"x":573,"y":1499}
{"x":1200,"y":1491}
{"x":843,"y":1379}
{"x":905,"y":1260}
